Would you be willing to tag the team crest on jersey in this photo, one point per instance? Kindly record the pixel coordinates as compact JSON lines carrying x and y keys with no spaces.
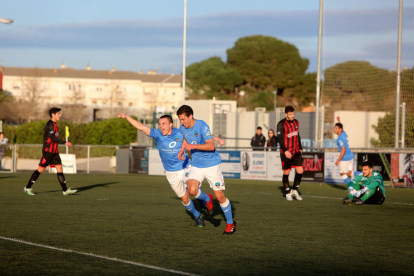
{"x":177,"y":138}
{"x":196,"y":134}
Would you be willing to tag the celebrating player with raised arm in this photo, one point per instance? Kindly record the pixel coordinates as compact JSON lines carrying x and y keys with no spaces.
{"x":346,"y":158}
{"x":290,"y":152}
{"x":169,"y":142}
{"x":205,"y":163}
{"x":50,"y":153}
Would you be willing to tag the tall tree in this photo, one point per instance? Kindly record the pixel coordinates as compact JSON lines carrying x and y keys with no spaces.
{"x":267,"y":63}
{"x":212,"y":75}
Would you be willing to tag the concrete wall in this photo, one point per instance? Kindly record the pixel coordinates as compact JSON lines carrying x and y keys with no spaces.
{"x":358,"y":126}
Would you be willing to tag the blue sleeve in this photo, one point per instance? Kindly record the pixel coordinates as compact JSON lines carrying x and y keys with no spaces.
{"x":341,"y":143}
{"x":154,"y":133}
{"x":205,"y":132}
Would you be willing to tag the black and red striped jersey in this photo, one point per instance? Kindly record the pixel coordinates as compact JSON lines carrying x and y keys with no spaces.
{"x":288,"y":136}
{"x":51,"y":138}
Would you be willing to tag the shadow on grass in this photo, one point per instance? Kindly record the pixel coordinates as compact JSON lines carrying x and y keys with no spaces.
{"x":85,"y":188}
{"x":4,"y":177}
{"x":217,"y":211}
{"x":339,"y":187}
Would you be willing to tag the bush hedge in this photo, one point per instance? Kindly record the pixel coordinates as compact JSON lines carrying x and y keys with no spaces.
{"x":108,"y":132}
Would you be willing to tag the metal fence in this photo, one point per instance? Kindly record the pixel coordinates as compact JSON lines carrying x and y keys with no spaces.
{"x":366,"y":71}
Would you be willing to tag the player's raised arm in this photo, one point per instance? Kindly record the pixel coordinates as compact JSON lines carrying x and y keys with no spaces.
{"x":138,"y":125}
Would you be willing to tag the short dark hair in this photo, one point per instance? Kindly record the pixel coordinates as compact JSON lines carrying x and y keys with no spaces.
{"x":289,"y":108}
{"x":185,"y":109}
{"x":54,"y":110}
{"x":259,"y":128}
{"x":168,"y":117}
{"x":1,"y":132}
{"x":339,"y":125}
{"x":367,"y":163}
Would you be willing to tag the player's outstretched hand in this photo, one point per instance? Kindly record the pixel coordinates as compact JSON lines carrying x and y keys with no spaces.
{"x":352,"y":191}
{"x":339,"y":119}
{"x":69,"y":144}
{"x":121,"y":115}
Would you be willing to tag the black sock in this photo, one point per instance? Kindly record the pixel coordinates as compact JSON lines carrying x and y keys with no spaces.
{"x":33,"y":179}
{"x":296,"y":183}
{"x":62,"y":181}
{"x":286,"y":183}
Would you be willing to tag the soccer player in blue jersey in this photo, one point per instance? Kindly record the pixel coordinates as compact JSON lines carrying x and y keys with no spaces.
{"x":346,"y":158}
{"x":169,"y":142}
{"x":205,"y":163}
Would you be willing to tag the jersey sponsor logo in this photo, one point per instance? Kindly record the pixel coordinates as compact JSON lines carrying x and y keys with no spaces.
{"x":294,"y":133}
{"x":196,"y":133}
{"x":51,"y":132}
{"x":177,"y":138}
{"x":172,"y":144}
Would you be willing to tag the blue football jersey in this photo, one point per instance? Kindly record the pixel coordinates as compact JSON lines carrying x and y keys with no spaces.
{"x":343,"y":142}
{"x":169,"y":146}
{"x":199,"y":134}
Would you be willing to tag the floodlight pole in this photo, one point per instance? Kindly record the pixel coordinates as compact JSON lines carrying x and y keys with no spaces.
{"x":184,"y":45}
{"x":318,"y":74}
{"x":397,"y":104}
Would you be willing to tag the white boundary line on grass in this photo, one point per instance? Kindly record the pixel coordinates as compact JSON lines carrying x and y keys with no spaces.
{"x":99,"y":256}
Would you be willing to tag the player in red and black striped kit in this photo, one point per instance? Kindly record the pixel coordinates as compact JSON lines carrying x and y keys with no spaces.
{"x":50,"y":153}
{"x":290,"y":151}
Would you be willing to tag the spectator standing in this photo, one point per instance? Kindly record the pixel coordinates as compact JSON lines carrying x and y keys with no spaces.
{"x":258,"y":140}
{"x":272,"y":142}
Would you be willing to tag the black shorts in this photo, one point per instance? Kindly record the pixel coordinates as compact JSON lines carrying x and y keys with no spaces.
{"x":288,"y":164}
{"x":50,"y":159}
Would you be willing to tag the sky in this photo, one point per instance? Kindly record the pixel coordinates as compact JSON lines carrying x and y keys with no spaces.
{"x":147,"y":35}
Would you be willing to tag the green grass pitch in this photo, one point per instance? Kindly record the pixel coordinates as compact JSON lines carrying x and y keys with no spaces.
{"x":138,"y":218}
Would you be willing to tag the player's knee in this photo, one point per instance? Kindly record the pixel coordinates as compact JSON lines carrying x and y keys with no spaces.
{"x":193,"y":190}
{"x":41,"y":169}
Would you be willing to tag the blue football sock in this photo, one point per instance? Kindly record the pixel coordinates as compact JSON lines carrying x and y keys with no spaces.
{"x":190,"y":208}
{"x":226,"y":207}
{"x":346,"y":179}
{"x":203,"y":196}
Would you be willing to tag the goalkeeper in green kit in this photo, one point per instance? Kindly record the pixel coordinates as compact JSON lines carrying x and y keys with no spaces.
{"x":371,"y":190}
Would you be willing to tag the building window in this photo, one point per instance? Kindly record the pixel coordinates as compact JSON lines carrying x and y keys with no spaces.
{"x":94,"y":102}
{"x":104,"y":103}
{"x":119,"y":103}
{"x":131,"y":104}
{"x":125,"y":88}
{"x":70,"y":87}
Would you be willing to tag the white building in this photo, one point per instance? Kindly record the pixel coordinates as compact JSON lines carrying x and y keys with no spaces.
{"x":99,"y":90}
